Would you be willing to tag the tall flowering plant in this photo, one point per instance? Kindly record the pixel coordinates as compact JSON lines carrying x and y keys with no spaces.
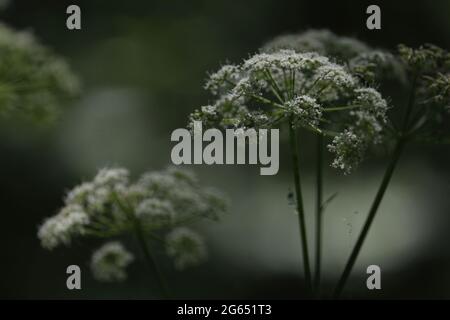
{"x":425,"y":120}
{"x":292,"y":89}
{"x":159,"y":207}
{"x":328,"y":85}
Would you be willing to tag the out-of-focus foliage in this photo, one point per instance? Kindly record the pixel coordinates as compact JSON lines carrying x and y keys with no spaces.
{"x":34,"y":82}
{"x":369,"y":64}
{"x":429,"y":70}
{"x":160,"y":204}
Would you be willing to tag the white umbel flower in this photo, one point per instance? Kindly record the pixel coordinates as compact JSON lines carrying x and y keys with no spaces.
{"x":372,"y":101}
{"x":109,"y":262}
{"x":185,"y":247}
{"x":112,"y":176}
{"x":284,"y":59}
{"x":219,"y":81}
{"x":211,"y":110}
{"x":303,"y":89}
{"x":79,"y":194}
{"x":61,"y":228}
{"x":367,"y":63}
{"x":322,"y":41}
{"x":349,"y":149}
{"x":335,"y":76}
{"x":305,"y":110}
{"x":108,"y":205}
{"x":155,"y":212}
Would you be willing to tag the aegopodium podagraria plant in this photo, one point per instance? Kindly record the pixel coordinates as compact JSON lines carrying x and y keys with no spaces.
{"x":34,"y":82}
{"x":158,"y":207}
{"x":301,"y":90}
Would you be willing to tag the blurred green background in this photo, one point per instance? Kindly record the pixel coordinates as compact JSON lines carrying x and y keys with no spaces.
{"x":143,"y":65}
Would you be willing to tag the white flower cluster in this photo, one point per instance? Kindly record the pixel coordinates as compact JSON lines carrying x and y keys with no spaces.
{"x":365,"y":128}
{"x":349,"y":149}
{"x":363,"y":61}
{"x":93,"y":204}
{"x":270,"y":79}
{"x":222,"y":78}
{"x":110,"y":205}
{"x":282,"y":60}
{"x":438,"y":89}
{"x":156,"y":211}
{"x":321,"y":41}
{"x":334,"y":82}
{"x":429,"y":65}
{"x":374,"y":65}
{"x":425,"y":59}
{"x":302,"y":88}
{"x":70,"y":221}
{"x":95,"y":196}
{"x":34,"y":81}
{"x":108,"y":263}
{"x":372,"y":102}
{"x":209,"y":110}
{"x":185,"y":247}
{"x":305,"y":111}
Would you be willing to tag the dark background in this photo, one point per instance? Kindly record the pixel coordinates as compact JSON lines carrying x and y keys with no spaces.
{"x":142,"y":66}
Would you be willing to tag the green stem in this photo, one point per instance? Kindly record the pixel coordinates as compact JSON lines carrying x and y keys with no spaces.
{"x":140,"y":235}
{"x":149,"y":257}
{"x":410,"y":105}
{"x":267,"y":101}
{"x":274,"y":86}
{"x":299,"y":203}
{"x":332,"y":109}
{"x":373,"y":210}
{"x":319,"y":196}
{"x":402,"y":140}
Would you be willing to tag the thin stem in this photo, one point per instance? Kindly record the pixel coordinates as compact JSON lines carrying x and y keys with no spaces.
{"x":299,"y":203}
{"x":274,"y":86}
{"x":139,"y":232}
{"x":292,"y":83}
{"x":287,"y":85}
{"x":332,"y":109}
{"x":402,"y":140}
{"x":149,"y":257}
{"x":373,"y":210}
{"x":319,"y":208}
{"x":267,"y":101}
{"x":410,"y":106}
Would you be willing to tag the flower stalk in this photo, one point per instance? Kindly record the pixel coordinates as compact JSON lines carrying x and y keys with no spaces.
{"x":400,"y":144}
{"x":140,"y":236}
{"x":373,"y":211}
{"x":149,"y":258}
{"x":299,"y":204}
{"x":319,"y":209}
